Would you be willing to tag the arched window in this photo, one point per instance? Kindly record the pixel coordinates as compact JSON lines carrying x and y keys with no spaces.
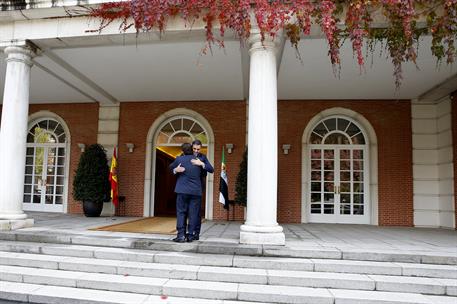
{"x":180,"y":130}
{"x":337,"y":131}
{"x":44,"y":179}
{"x":338,"y":172}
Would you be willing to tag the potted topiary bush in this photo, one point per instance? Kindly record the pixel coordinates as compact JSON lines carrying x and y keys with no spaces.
{"x":91,"y":185}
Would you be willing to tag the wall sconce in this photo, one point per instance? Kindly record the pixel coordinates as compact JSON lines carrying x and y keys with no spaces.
{"x":229,"y":148}
{"x":130,"y":147}
{"x":81,"y":146}
{"x":286,"y":148}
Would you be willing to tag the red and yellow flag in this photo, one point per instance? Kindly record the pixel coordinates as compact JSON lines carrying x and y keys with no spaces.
{"x":113,"y":179}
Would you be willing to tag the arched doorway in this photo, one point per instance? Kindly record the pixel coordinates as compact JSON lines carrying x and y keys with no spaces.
{"x":46,"y":166}
{"x":165,"y":137}
{"x":337,"y":157}
{"x":172,"y":134}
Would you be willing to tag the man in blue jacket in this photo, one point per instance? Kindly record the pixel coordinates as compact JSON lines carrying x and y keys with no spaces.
{"x":196,"y":147}
{"x":189,"y":192}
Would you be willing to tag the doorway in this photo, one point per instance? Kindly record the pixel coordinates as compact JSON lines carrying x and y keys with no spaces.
{"x":172,"y":134}
{"x":338,"y":173}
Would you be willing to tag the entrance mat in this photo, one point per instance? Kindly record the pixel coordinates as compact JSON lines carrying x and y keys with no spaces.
{"x":159,"y":225}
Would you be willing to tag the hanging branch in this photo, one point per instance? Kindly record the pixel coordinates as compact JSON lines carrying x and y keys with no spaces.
{"x":296,"y":18}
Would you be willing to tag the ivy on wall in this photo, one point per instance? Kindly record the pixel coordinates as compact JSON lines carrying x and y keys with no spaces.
{"x":356,"y":20}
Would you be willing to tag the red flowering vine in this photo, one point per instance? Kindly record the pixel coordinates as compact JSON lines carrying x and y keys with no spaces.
{"x":404,"y":19}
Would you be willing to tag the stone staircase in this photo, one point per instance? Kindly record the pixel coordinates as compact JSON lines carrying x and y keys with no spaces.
{"x":41,"y":268}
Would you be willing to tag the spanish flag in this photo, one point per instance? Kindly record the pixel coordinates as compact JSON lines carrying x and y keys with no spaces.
{"x":113,"y":179}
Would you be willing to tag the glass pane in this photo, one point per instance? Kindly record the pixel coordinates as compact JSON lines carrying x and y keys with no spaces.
{"x":316,"y":154}
{"x":329,"y":187}
{"x":29,"y":160}
{"x":331,"y":124}
{"x":358,"y":187}
{"x":30,"y":138}
{"x":43,"y":125}
{"x":329,"y":154}
{"x":60,"y":133}
{"x":345,"y":187}
{"x":167,"y":129}
{"x":358,"y":164}
{"x":345,"y":209}
{"x":197,"y":129}
{"x":320,"y":129}
{"x":358,"y":139}
{"x":51,"y":170}
{"x":60,"y":180}
{"x":358,"y":199}
{"x":61,"y":152}
{"x":345,"y":154}
{"x":345,"y":165}
{"x":28,"y":189}
{"x":59,"y":189}
{"x":60,"y":170}
{"x":345,"y":198}
{"x":357,"y":154}
{"x":315,"y":164}
{"x":329,"y":175}
{"x":316,"y":208}
{"x":358,"y":210}
{"x":352,"y":130}
{"x":342,"y":124}
{"x":39,"y":157}
{"x":58,"y":200}
{"x":202,"y":137}
{"x":337,"y":139}
{"x":48,"y":199}
{"x":28,"y":169}
{"x":27,"y":198}
{"x":316,"y":175}
{"x":345,"y":176}
{"x":52,"y":125}
{"x":315,"y":139}
{"x":181,"y":138}
{"x":328,"y":198}
{"x":357,"y":176}
{"x":187,"y":124}
{"x":29,"y":151}
{"x":28,"y":179}
{"x":328,"y":165}
{"x":177,"y":124}
{"x":36,"y":198}
{"x":329,"y":209}
{"x":61,"y":161}
{"x":315,"y":197}
{"x":315,"y":186}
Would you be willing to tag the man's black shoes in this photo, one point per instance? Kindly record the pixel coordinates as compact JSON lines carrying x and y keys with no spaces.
{"x":179,"y":239}
{"x":196,"y":237}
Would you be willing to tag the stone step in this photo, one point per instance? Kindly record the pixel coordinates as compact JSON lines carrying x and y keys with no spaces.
{"x":84,"y":272}
{"x":246,"y":294}
{"x":349,"y":253}
{"x":277,"y":263}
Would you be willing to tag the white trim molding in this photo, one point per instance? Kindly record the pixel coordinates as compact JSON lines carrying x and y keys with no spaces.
{"x":149,"y":176}
{"x":372,"y":142}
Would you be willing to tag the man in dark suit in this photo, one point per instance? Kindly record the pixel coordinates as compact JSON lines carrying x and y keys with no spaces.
{"x":196,"y":147}
{"x":189,"y":192}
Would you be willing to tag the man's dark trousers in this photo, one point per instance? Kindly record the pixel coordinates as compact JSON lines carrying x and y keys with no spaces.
{"x":186,"y":206}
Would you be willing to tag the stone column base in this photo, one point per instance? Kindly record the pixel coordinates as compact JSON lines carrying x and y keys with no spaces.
{"x":262,"y":235}
{"x":16,"y":224}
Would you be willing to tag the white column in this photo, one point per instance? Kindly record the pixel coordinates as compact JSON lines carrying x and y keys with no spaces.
{"x":261,"y":226}
{"x":13,"y":133}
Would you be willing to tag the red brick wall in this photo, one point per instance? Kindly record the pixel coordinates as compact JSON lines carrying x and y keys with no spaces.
{"x":82,"y":120}
{"x":392,"y":123}
{"x":227,"y":119}
{"x":454,"y":141}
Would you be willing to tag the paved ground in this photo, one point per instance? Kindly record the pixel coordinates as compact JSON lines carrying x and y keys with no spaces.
{"x":297,"y":235}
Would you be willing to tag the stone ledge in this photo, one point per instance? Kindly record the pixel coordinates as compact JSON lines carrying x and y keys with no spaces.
{"x":8,"y":225}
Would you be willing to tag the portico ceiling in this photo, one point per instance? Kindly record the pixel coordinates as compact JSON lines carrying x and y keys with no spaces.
{"x":173,"y":70}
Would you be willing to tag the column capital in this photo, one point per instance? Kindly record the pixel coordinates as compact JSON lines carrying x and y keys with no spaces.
{"x":20,"y":53}
{"x":269,"y":43}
